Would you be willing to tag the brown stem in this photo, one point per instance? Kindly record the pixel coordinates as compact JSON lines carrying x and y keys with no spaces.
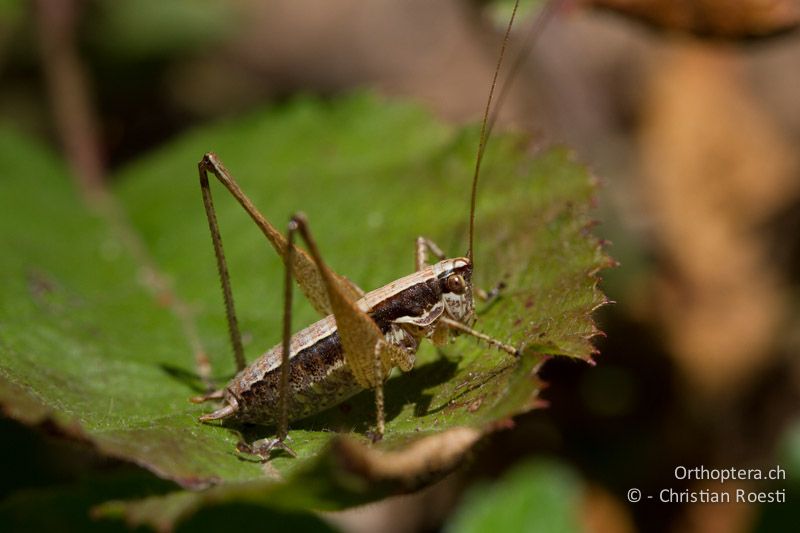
{"x":68,"y":91}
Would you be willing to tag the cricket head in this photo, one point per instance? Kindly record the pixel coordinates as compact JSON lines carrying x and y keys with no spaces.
{"x":455,"y":277}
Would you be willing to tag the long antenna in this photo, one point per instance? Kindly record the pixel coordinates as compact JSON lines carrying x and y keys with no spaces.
{"x":488,"y":121}
{"x":539,"y":23}
{"x":484,"y":124}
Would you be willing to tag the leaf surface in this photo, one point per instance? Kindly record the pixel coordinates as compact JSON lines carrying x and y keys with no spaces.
{"x":84,"y":343}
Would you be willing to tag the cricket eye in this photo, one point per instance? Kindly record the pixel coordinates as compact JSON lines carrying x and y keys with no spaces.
{"x":455,"y":283}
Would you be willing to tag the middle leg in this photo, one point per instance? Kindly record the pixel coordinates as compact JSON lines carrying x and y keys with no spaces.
{"x":425,"y":245}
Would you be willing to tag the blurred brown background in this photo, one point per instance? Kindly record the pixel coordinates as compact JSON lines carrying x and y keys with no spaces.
{"x":688,"y":110}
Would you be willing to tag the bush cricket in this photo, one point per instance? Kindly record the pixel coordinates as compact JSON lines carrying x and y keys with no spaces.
{"x":362,"y":336}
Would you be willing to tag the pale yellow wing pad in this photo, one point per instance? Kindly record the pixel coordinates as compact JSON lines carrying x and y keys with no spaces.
{"x":359,"y":334}
{"x":311,"y":283}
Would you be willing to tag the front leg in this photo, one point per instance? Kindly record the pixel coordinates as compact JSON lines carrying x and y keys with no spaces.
{"x":454,"y":324}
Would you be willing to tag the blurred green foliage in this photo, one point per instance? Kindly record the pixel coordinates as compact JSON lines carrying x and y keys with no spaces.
{"x":537,"y":495}
{"x":147,"y":29}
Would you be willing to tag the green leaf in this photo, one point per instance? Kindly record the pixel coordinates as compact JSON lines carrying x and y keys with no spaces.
{"x":782,"y":517}
{"x":85,"y":343}
{"x":534,"y":496}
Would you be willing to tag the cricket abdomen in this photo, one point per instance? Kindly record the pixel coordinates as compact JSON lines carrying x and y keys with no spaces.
{"x":319,"y":376}
{"x":318,"y":379}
